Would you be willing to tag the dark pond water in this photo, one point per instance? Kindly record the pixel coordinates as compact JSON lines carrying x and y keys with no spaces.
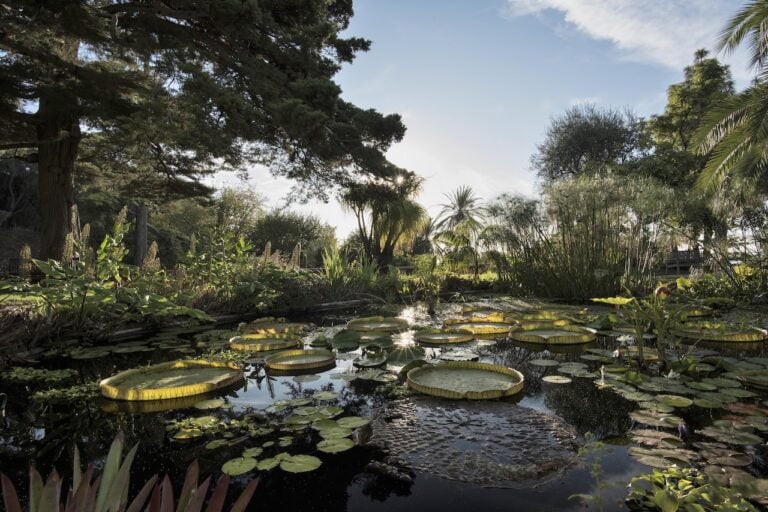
{"x":512,"y":454}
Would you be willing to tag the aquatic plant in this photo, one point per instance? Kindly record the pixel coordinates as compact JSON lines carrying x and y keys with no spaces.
{"x":38,"y":377}
{"x":686,"y":489}
{"x":109,"y":492}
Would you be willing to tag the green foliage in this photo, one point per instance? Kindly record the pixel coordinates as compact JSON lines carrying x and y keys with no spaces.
{"x":684,"y":489}
{"x":587,"y":139}
{"x":92,"y":297}
{"x":38,"y":377}
{"x":284,"y":230}
{"x":458,"y":227}
{"x":109,"y":492}
{"x":590,"y":236}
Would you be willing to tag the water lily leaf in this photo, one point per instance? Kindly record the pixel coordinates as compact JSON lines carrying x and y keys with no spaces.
{"x":216,"y":443}
{"x":305,"y":411}
{"x":556,"y":379}
{"x":297,"y":419}
{"x":239,"y":466}
{"x":335,"y":445}
{"x":300,"y":463}
{"x":656,"y":406}
{"x":214,"y":403}
{"x":253,"y":452}
{"x":674,"y":400}
{"x":323,"y":424}
{"x":459,"y":355}
{"x":268,"y":444}
{"x":334,"y":432}
{"x":352,"y":422}
{"x":370,"y":361}
{"x":329,"y":411}
{"x":738,"y":393}
{"x":543,"y":362}
{"x":655,"y":419}
{"x":730,"y":435}
{"x":403,"y":355}
{"x":267,"y":464}
{"x":701,"y":386}
{"x":298,"y":402}
{"x":325,"y":396}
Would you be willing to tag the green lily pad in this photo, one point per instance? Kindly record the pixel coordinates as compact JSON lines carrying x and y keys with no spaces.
{"x":325,"y":396}
{"x":730,"y":435}
{"x":268,"y":444}
{"x":352,"y":422}
{"x":324,"y":424}
{"x":216,"y":443}
{"x":298,"y":402}
{"x":336,"y":432}
{"x":674,"y":400}
{"x":370,"y":361}
{"x":403,"y":355}
{"x":556,"y":379}
{"x":239,"y":466}
{"x":253,"y":452}
{"x":214,"y":403}
{"x":656,"y":406}
{"x":655,"y":419}
{"x":701,"y":386}
{"x":268,"y":464}
{"x":335,"y":445}
{"x":738,"y":393}
{"x":544,"y":362}
{"x":706,"y":403}
{"x":300,"y":463}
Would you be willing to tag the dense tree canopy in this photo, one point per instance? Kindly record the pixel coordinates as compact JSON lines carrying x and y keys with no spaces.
{"x":586,"y":139}
{"x":172,"y":90}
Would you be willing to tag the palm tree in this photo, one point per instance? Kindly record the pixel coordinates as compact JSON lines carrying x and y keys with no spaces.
{"x":459,"y":224}
{"x":736,"y":132}
{"x":387,"y":215}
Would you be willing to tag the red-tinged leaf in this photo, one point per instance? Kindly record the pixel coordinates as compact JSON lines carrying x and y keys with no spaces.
{"x":49,"y":498}
{"x":216,"y":503}
{"x":76,"y":471}
{"x":35,"y":489}
{"x":245,"y":497}
{"x":154,"y":501}
{"x":190,"y":483}
{"x":167,"y":494}
{"x":10,"y":498}
{"x":198,"y":497}
{"x":78,"y":499}
{"x":141,"y":498}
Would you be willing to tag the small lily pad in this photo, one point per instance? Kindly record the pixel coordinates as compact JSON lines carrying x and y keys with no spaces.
{"x":556,"y":379}
{"x":267,"y":464}
{"x":214,"y":403}
{"x":352,"y":422}
{"x":325,"y":396}
{"x":253,"y":452}
{"x":335,"y":445}
{"x":300,"y":463}
{"x":674,"y":400}
{"x":216,"y":443}
{"x":544,"y":362}
{"x":239,"y":466}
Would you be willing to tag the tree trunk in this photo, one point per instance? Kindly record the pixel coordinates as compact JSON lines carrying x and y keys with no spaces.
{"x":142,"y":212}
{"x":59,"y":136}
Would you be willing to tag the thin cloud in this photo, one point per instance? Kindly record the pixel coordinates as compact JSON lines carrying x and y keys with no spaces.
{"x":666,"y":32}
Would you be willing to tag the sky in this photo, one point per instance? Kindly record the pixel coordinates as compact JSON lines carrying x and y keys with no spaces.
{"x":477,"y":82}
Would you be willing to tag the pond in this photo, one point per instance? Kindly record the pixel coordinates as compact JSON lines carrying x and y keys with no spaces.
{"x":529,"y":451}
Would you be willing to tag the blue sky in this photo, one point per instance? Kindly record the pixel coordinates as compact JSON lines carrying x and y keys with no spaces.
{"x":477,"y":82}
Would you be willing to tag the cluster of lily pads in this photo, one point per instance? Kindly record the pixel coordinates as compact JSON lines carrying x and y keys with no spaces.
{"x":275,"y":429}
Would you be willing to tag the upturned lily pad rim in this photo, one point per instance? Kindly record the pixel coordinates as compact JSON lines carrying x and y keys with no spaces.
{"x":735,"y":335}
{"x":527,"y":334}
{"x":443,"y":336}
{"x":364,"y":324}
{"x":110,"y":387}
{"x":264,"y":341}
{"x":479,"y":326}
{"x":413,"y":381}
{"x":281,"y":360}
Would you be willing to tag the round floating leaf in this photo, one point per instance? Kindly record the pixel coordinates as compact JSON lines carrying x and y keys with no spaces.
{"x":300,"y":463}
{"x":370,"y":361}
{"x":459,"y":355}
{"x":335,"y":445}
{"x":656,"y":406}
{"x":655,"y":419}
{"x":253,"y":452}
{"x":401,"y":356}
{"x":556,"y":379}
{"x":544,"y":362}
{"x":335,"y":432}
{"x":352,"y":422}
{"x":268,"y":444}
{"x":239,"y":466}
{"x":298,"y":402}
{"x":324,"y":424}
{"x":738,"y":393}
{"x":216,"y":443}
{"x":214,"y":403}
{"x":267,"y":464}
{"x":701,"y":386}
{"x":377,"y":323}
{"x":325,"y":396}
{"x":706,"y":403}
{"x":466,"y":380}
{"x":674,"y":400}
{"x":730,"y":435}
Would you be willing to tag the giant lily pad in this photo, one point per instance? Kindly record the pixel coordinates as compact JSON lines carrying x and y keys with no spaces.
{"x":443,"y":337}
{"x":721,"y":332}
{"x":466,"y":380}
{"x":346,"y":340}
{"x":263,"y":342}
{"x":565,"y":335}
{"x":171,"y":380}
{"x":655,"y":419}
{"x":299,"y":360}
{"x":378,"y":323}
{"x":403,"y":355}
{"x":479,"y":326}
{"x":730,"y":435}
{"x":271,"y":325}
